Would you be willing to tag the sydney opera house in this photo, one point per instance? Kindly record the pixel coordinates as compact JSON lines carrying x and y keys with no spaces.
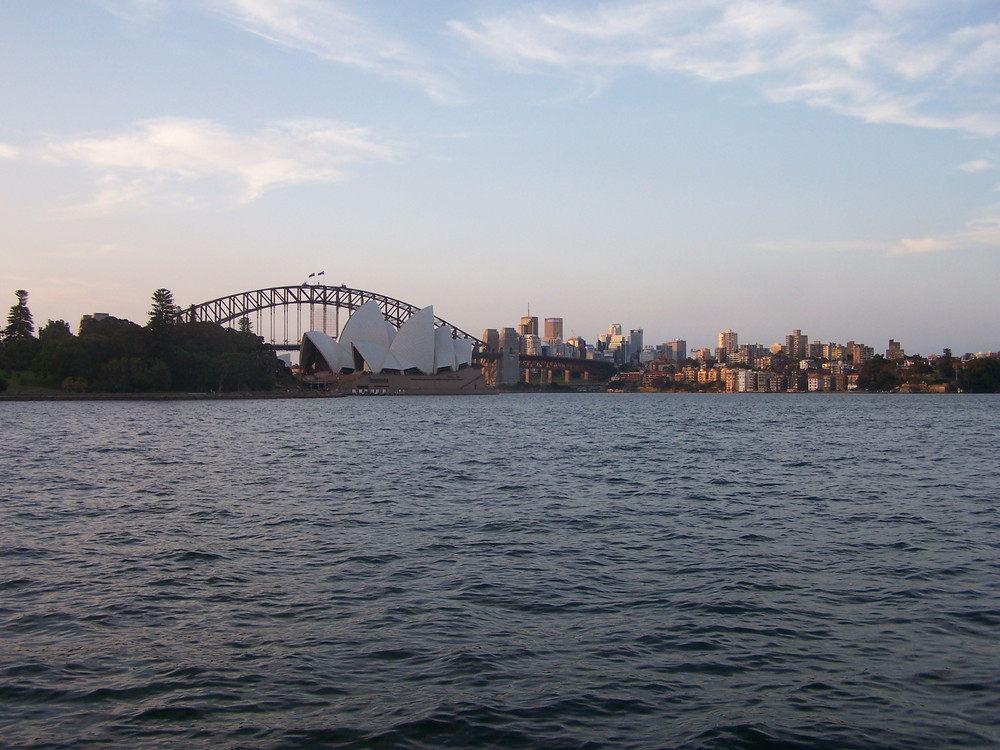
{"x":372,"y":356}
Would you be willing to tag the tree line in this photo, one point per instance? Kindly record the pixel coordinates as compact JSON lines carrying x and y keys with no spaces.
{"x":113,"y":355}
{"x":975,"y":375}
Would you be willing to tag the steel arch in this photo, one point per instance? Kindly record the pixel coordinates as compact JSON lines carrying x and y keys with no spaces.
{"x":236,"y":306}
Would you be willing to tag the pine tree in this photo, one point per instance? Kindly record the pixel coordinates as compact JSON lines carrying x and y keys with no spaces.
{"x":19,"y":322}
{"x":164,"y":311}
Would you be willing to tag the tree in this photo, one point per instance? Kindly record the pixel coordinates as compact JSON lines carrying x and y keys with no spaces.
{"x":980,"y":375}
{"x":944,"y":365}
{"x":19,"y":343}
{"x":54,"y":330}
{"x":164,"y":311}
{"x":878,"y":374}
{"x":19,"y":322}
{"x":244,"y":325}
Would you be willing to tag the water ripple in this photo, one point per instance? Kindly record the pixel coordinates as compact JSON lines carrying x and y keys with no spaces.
{"x":527,"y":571}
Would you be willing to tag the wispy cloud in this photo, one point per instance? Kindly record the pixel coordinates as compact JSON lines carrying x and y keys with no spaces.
{"x":976,"y":165}
{"x":977,"y":233}
{"x":880,"y":61}
{"x":181,"y":159}
{"x":330,"y":31}
{"x":8,"y":152}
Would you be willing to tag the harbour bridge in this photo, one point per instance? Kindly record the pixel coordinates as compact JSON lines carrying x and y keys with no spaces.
{"x":283,"y":314}
{"x":280,"y":313}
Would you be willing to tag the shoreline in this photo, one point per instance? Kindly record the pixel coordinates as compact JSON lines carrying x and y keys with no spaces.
{"x":239,"y":396}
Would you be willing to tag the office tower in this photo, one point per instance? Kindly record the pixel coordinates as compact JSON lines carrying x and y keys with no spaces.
{"x":553,"y":329}
{"x":635,"y":343}
{"x":529,"y":326}
{"x":676,"y":350}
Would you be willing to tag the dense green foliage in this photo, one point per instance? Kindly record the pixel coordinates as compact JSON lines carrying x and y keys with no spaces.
{"x":980,"y":375}
{"x":878,"y":374}
{"x":119,"y":356}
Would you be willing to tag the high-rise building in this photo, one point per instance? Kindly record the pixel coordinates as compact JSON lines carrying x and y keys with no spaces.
{"x":615,"y":329}
{"x":531,"y":344}
{"x":553,"y":329}
{"x":858,"y":353}
{"x":675,"y":350}
{"x":797,"y":344}
{"x":895,"y":351}
{"x":729,"y":340}
{"x":529,"y":326}
{"x":635,"y":343}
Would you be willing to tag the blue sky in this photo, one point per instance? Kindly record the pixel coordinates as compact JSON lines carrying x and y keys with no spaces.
{"x":681,"y":167}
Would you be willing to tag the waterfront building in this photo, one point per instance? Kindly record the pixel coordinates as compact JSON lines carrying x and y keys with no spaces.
{"x":895,"y":351}
{"x":372,"y":355}
{"x":817,"y":380}
{"x":553,"y":329}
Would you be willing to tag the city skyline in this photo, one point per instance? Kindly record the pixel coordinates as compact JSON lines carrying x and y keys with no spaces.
{"x":680,"y":168}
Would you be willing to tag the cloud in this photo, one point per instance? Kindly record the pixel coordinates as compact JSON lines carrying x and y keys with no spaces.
{"x":976,"y":165}
{"x":885,"y":61}
{"x":328,"y":31}
{"x":978,"y":233}
{"x":183,"y":160}
{"x":8,"y":152}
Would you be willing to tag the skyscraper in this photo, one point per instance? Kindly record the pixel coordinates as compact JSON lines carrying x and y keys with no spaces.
{"x":729,"y":341}
{"x":529,"y":326}
{"x":676,"y":349}
{"x":553,"y":329}
{"x":635,"y":343}
{"x":797,"y":344}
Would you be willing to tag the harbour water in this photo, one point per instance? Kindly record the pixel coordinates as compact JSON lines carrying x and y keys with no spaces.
{"x":534,"y":571}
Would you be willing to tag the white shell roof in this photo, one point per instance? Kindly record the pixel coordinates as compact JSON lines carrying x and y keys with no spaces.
{"x":416,"y":345}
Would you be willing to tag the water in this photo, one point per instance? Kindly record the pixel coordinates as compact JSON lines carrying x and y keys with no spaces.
{"x":579,"y":571}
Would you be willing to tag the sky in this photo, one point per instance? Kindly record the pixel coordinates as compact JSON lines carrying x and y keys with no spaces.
{"x":677,"y":166}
